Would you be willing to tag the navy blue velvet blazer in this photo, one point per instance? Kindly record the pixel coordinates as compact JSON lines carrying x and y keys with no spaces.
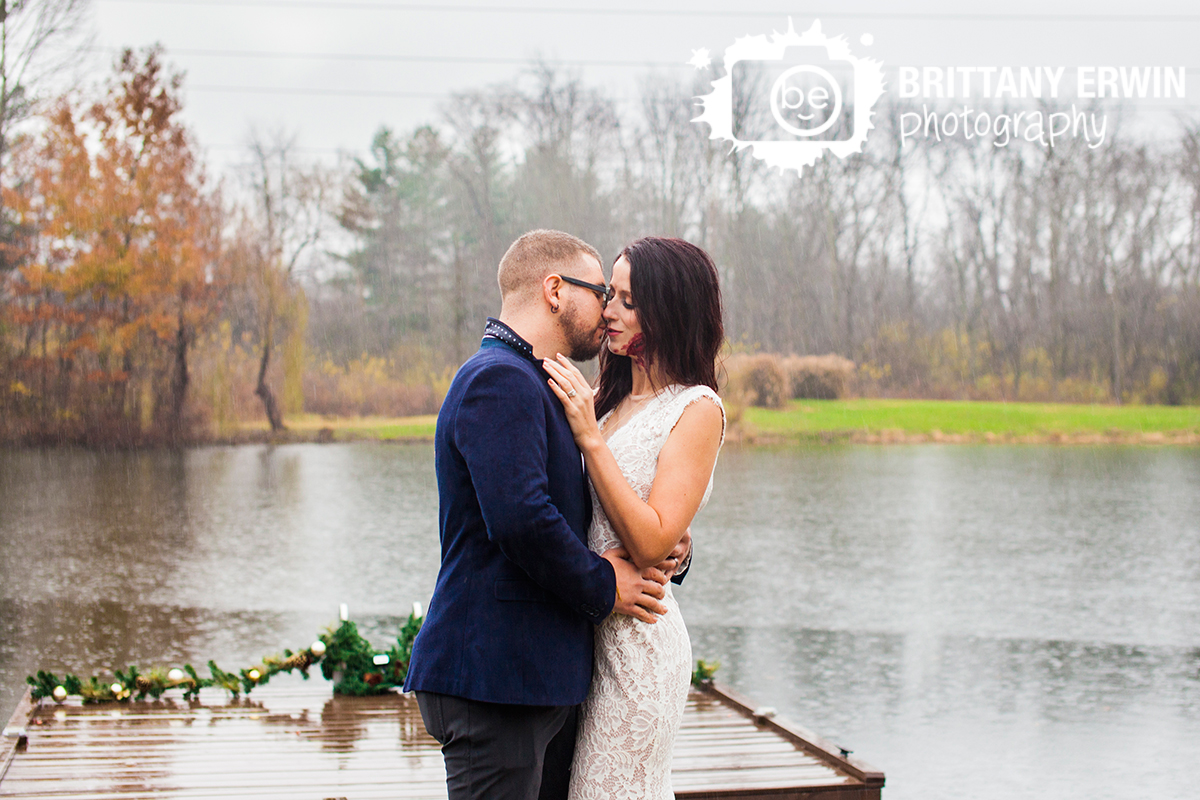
{"x":518,"y":593}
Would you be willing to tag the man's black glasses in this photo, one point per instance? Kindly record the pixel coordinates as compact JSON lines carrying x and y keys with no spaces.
{"x":605,"y":293}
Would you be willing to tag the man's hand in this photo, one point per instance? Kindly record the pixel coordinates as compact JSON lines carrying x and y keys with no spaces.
{"x":670,"y":565}
{"x":638,"y":593}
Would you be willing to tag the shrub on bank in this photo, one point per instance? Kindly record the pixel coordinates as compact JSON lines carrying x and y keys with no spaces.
{"x":364,"y":387}
{"x":767,"y":380}
{"x":756,"y":380}
{"x":818,"y":377}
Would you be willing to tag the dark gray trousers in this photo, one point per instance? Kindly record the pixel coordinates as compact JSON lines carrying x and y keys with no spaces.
{"x":505,"y":752}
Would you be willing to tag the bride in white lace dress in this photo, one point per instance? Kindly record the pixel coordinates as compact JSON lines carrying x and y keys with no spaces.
{"x":650,"y":460}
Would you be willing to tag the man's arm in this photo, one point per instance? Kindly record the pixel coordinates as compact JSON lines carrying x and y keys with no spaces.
{"x":500,"y":431}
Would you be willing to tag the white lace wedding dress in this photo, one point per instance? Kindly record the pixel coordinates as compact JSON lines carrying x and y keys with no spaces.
{"x":640,"y":679}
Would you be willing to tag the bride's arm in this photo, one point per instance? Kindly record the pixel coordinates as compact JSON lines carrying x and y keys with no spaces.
{"x":648,"y":530}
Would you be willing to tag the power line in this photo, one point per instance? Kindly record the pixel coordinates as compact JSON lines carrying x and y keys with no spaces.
{"x":446,"y":95}
{"x":357,"y":93}
{"x":245,"y":148}
{"x":440,"y":59}
{"x":556,"y":62}
{"x":380,"y":5}
{"x":314,"y":91}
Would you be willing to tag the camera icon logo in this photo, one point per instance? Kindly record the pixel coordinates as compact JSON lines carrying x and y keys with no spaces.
{"x":792,"y":97}
{"x":789,"y":102}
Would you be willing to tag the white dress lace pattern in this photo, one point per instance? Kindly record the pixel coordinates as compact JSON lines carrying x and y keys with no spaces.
{"x":640,"y":679}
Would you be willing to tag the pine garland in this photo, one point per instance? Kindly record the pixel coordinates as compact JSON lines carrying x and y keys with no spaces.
{"x":346,"y":658}
{"x":703,"y":674}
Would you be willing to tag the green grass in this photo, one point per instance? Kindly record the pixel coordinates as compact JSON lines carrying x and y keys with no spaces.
{"x":403,"y":428}
{"x":868,"y":420}
{"x":809,"y":418}
{"x":357,"y":428}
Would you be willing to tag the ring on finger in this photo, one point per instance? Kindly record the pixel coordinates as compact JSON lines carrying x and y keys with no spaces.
{"x":572,"y":393}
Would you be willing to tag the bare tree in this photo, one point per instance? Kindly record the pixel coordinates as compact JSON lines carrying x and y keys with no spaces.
{"x":572,"y":139}
{"x":667,"y":162}
{"x":481,"y":201}
{"x":30,"y":30}
{"x":291,"y":207}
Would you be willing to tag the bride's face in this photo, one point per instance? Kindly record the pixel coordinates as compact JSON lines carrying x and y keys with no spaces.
{"x":620,"y":315}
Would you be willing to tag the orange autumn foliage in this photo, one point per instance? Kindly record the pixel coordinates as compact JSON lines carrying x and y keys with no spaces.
{"x":121,"y":268}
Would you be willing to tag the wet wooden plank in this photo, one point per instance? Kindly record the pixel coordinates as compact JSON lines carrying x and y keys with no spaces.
{"x":293,"y":738}
{"x":802,"y":738}
{"x":13,"y":735}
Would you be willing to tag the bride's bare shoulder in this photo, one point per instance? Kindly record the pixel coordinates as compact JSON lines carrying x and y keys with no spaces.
{"x":701,"y":420}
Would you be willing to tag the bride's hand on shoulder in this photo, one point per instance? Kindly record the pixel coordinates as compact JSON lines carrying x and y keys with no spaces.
{"x":578,"y":400}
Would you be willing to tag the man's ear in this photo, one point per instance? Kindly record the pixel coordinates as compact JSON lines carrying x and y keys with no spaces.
{"x":551,"y":286}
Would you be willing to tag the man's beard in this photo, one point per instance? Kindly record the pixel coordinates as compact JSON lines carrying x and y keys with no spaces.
{"x":583,"y":343}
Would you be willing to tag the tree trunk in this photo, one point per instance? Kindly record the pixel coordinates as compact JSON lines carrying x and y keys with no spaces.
{"x":270,"y":405}
{"x":460,"y":306}
{"x":179,"y":384}
{"x":1117,"y":377}
{"x":1016,"y":364}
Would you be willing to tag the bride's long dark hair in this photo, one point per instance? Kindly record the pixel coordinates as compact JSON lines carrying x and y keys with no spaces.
{"x":677,"y":295}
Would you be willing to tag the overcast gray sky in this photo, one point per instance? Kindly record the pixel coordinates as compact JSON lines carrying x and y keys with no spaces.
{"x":333,"y":71}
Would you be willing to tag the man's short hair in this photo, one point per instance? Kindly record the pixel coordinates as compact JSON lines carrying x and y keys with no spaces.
{"x":534,"y":256}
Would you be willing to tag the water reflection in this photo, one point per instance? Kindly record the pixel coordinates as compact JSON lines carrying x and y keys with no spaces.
{"x":1008,"y":542}
{"x":822,"y":674}
{"x":1025,"y":616}
{"x":301,"y":527}
{"x":1024,"y":718}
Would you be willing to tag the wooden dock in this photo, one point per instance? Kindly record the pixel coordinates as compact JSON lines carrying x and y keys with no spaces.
{"x":293,"y":739}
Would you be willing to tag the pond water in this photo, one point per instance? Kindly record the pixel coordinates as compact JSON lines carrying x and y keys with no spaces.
{"x":991,"y":622}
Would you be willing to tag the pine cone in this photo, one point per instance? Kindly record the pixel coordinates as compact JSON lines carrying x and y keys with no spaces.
{"x":298,"y":661}
{"x":142,"y":683}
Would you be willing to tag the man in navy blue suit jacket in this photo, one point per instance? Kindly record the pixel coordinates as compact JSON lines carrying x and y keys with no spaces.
{"x":505,"y":652}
